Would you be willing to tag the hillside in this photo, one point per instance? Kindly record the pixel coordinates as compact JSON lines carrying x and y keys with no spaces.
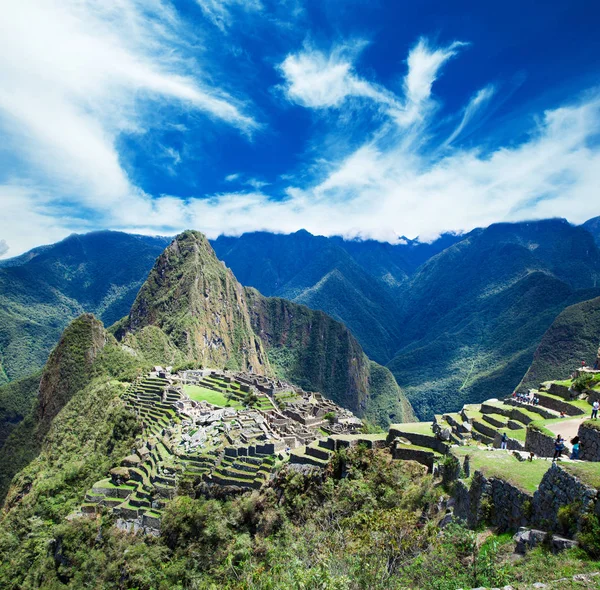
{"x":68,"y":370}
{"x":473,"y":315}
{"x":42,"y":290}
{"x":593,"y":226}
{"x":199,"y":306}
{"x":574,"y":336}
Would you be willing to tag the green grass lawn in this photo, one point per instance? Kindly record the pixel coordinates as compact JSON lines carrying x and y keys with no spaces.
{"x":216,"y":398}
{"x":587,"y":472}
{"x":415,"y":427}
{"x":516,"y":434}
{"x":524,"y":475}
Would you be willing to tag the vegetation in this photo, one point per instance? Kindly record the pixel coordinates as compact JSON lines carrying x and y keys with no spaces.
{"x":373,"y":529}
{"x":43,"y":290}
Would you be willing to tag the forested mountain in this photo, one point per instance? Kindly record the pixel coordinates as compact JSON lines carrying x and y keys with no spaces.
{"x":456,"y":320}
{"x":353,"y":281}
{"x":573,"y":337}
{"x":473,"y":315}
{"x":42,"y":290}
{"x":191,"y":308}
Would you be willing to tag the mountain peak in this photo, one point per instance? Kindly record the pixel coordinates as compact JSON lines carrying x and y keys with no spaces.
{"x":199,"y":305}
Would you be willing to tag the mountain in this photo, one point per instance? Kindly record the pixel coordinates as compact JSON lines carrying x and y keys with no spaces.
{"x":473,"y":315}
{"x":42,"y":290}
{"x":593,"y":226}
{"x":574,"y":336}
{"x":307,"y":347}
{"x":192,"y":308}
{"x":352,"y":281}
{"x":199,"y":306}
{"x":69,"y":369}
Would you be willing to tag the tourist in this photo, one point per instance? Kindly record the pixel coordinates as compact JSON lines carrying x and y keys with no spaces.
{"x":575,"y":448}
{"x":595,"y":407}
{"x":562,"y":414}
{"x":559,"y":445}
{"x":503,"y":441}
{"x":514,"y":394}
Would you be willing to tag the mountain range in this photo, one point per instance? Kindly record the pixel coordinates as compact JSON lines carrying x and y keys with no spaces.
{"x":456,"y":321}
{"x":191,"y":310}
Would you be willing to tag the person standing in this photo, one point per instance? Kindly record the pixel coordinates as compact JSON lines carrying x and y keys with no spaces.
{"x":595,"y":407}
{"x":559,"y":445}
{"x":503,"y":441}
{"x":575,"y":448}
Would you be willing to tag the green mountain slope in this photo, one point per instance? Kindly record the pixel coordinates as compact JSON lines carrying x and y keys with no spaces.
{"x":574,"y":336}
{"x":199,"y":305}
{"x":68,"y":370}
{"x":473,"y":315}
{"x":311,"y":349}
{"x":41,"y":291}
{"x":353,"y":281}
{"x":192,"y":308}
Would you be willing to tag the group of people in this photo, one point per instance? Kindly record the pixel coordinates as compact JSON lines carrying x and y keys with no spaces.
{"x":525,"y":398}
{"x":559,"y":447}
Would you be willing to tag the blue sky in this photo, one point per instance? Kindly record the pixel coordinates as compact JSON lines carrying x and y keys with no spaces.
{"x":362,"y":119}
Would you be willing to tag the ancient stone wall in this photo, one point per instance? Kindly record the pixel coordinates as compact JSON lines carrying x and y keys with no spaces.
{"x":589,"y":433}
{"x":538,"y":442}
{"x":559,"y":488}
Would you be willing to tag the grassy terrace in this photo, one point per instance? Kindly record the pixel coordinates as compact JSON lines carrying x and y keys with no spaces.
{"x":587,"y":472}
{"x":216,"y":398}
{"x":414,"y":427}
{"x":523,"y":475}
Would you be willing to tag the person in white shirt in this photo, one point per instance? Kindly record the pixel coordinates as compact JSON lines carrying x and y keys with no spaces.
{"x":595,"y":407}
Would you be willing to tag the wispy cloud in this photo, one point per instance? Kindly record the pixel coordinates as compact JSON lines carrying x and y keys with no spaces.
{"x":88,"y":73}
{"x":78,"y":74}
{"x":477,"y":102}
{"x":219,"y":12}
{"x":325,"y":80}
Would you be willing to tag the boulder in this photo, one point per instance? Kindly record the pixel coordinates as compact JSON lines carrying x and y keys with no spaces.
{"x":561,"y":543}
{"x":527,"y":539}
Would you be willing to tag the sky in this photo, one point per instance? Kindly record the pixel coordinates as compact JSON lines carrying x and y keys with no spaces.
{"x":365,"y":119}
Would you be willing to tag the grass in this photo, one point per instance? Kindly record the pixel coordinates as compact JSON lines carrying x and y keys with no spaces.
{"x":216,"y":398}
{"x":587,"y":472}
{"x":516,"y":434}
{"x":524,"y":475}
{"x":414,"y":427}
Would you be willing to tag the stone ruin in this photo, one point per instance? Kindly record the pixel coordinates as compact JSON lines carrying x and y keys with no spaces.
{"x":191,"y":441}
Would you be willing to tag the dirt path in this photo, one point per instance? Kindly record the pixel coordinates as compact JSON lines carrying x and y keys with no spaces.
{"x":567,"y":428}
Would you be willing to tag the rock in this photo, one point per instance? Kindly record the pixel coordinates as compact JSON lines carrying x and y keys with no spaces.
{"x":528,"y":539}
{"x":561,"y":543}
{"x":446,"y":520}
{"x":538,"y":585}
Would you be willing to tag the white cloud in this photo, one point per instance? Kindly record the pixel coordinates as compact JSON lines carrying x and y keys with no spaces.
{"x":219,"y":11}
{"x":84,"y":78}
{"x":320,"y":80}
{"x":477,"y":102}
{"x":316,"y":79}
{"x":4,"y":247}
{"x":76,"y":75}
{"x":386,"y":193}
